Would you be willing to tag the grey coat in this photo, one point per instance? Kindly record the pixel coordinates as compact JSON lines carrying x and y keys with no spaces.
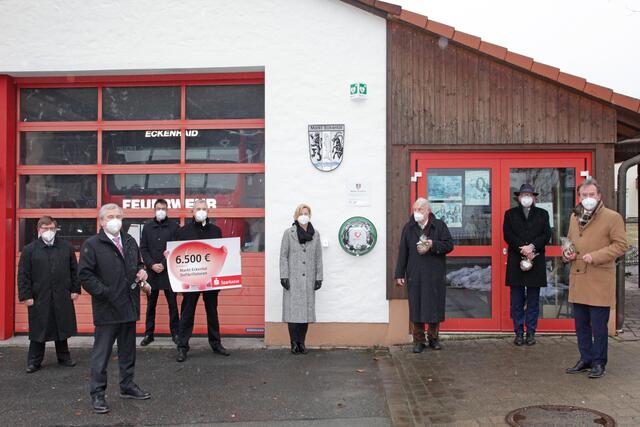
{"x":302,"y":265}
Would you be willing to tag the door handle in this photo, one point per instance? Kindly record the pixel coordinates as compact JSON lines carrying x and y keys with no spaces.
{"x":504,"y":251}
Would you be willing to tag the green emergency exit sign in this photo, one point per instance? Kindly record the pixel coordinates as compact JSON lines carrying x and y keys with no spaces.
{"x":358,"y":90}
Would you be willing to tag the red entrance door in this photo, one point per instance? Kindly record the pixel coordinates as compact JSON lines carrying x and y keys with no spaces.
{"x":471,"y":192}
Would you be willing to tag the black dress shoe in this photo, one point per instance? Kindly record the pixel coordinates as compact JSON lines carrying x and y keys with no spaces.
{"x":302,"y":349}
{"x":531,"y":338}
{"x":33,"y":368}
{"x":597,"y":371}
{"x":519,"y":340}
{"x":182,"y":356}
{"x":435,"y":344}
{"x":99,"y":404}
{"x":579,"y":367}
{"x":67,"y":363}
{"x":294,"y":348}
{"x":135,"y":392}
{"x":146,"y":341}
{"x":419,"y":347}
{"x":219,"y":349}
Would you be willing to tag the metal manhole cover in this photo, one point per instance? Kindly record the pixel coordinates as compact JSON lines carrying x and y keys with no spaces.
{"x":557,"y":415}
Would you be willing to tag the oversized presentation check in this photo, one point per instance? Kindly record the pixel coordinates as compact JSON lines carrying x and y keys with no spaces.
{"x":204,"y":265}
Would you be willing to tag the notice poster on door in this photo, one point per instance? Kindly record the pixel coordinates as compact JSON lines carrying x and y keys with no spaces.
{"x":450,"y":213}
{"x":204,"y":265}
{"x":477,"y":188}
{"x":444,"y":187}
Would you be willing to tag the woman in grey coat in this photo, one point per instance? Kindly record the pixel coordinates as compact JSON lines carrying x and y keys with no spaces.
{"x":300,"y":276}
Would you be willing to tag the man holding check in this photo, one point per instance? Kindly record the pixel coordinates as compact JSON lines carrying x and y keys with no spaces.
{"x":199,"y":228}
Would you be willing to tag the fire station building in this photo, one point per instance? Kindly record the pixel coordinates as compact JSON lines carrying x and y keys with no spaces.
{"x":128,"y":102}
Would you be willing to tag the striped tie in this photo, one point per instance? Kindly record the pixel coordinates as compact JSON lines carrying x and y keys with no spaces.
{"x":116,"y":240}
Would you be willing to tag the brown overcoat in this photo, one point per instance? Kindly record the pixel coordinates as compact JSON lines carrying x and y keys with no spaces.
{"x":605,"y":239}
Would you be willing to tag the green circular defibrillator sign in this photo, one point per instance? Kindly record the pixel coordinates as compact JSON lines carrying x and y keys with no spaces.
{"x":357,"y":236}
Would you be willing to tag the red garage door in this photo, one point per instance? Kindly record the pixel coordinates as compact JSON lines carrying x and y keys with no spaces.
{"x":131,"y":140}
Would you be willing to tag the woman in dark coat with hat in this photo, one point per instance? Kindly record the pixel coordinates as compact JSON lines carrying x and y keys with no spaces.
{"x":526,"y":231}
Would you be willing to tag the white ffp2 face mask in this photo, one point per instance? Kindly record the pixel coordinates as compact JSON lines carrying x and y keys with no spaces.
{"x":526,"y":201}
{"x":48,"y":236}
{"x":201,"y":216}
{"x":418,"y":216}
{"x":303,"y":219}
{"x":589,"y":203}
{"x":113,"y":226}
{"x":161,"y":215}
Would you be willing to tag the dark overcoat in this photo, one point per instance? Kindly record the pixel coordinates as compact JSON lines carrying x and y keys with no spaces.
{"x":49,"y":275}
{"x":193,"y":230}
{"x":107,"y":276}
{"x":425,"y":274}
{"x":153,"y":243}
{"x":520,"y":231}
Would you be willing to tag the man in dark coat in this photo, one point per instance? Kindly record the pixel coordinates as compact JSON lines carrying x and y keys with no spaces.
{"x":112,"y":271}
{"x":424,"y":243}
{"x":153,"y":242}
{"x":199,"y":228}
{"x":48,"y":285}
{"x":526,"y":230}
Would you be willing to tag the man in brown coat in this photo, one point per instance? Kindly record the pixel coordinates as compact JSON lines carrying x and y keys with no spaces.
{"x":599,"y":238}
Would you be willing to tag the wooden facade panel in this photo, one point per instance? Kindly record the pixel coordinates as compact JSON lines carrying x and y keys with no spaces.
{"x":442,"y":96}
{"x":442,"y":93}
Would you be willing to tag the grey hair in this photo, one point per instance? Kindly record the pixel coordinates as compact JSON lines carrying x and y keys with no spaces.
{"x":198,"y":201}
{"x":108,"y":207}
{"x":590,"y":181}
{"x":421,"y":201}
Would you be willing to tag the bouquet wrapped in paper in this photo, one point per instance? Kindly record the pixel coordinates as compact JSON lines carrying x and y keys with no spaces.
{"x":423,"y":245}
{"x":568,"y":248}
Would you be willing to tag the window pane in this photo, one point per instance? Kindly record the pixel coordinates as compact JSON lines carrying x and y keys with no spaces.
{"x":557,"y":188}
{"x":58,"y":191}
{"x":462,"y":199}
{"x":141,"y":103}
{"x":58,"y":105}
{"x":140,"y":147}
{"x":249,"y":230}
{"x":225,"y":146}
{"x":229,"y":190}
{"x":468,"y":287}
{"x":73,"y":230}
{"x":58,"y":148}
{"x":225,"y":102}
{"x":140,"y":191}
{"x":554,"y":299}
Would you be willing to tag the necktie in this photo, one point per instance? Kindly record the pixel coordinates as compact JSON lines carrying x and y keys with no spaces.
{"x":116,"y":240}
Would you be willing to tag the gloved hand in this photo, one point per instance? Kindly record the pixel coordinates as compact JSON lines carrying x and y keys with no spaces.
{"x":318,"y":285}
{"x":285,"y":283}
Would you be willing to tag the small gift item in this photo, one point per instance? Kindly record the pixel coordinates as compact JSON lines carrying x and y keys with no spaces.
{"x":526,"y":264}
{"x":568,"y":248}
{"x":423,"y":245}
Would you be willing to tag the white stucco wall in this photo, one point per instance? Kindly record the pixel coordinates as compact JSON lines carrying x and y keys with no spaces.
{"x":310,"y":51}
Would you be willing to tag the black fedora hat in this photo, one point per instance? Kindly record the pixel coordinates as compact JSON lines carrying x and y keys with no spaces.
{"x":526,"y":188}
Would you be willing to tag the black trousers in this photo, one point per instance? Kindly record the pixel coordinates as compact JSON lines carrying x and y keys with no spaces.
{"x":592,"y":332}
{"x":36,"y":352}
{"x":152,"y":302}
{"x":187,"y":314}
{"x":104,"y":337}
{"x":298,"y":332}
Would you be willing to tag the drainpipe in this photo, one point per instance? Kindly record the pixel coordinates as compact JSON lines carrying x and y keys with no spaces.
{"x":622,"y":210}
